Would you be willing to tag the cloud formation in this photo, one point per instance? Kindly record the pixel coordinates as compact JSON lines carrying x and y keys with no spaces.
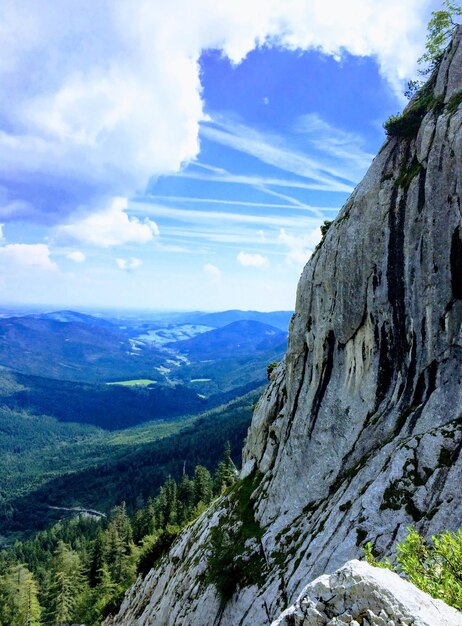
{"x":213,"y":271}
{"x":76,"y":256}
{"x":299,"y":247}
{"x":252,"y":260}
{"x":81,"y":122}
{"x":22,"y":255}
{"x":128,"y":265}
{"x":110,"y":227}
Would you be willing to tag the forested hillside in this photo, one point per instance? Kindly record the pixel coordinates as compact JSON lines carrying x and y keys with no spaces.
{"x":78,"y":570}
{"x":67,"y":466}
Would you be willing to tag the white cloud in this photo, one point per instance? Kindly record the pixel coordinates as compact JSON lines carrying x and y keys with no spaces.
{"x":252,"y":260}
{"x":76,"y":256}
{"x":125,"y":104}
{"x":213,"y":271}
{"x":111,"y":227}
{"x":22,"y":255}
{"x":299,"y":247}
{"x":128,"y":265}
{"x":1,"y":231}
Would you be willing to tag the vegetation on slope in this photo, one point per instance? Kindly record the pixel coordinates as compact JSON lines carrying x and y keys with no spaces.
{"x":440,"y":30}
{"x":99,"y":470}
{"x":434,"y":566}
{"x":235,"y":557}
{"x":78,"y":571}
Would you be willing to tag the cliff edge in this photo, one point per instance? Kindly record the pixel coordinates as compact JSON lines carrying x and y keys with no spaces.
{"x":359,"y":433}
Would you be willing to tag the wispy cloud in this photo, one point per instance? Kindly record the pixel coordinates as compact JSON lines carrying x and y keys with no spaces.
{"x":234,"y":237}
{"x":213,"y":271}
{"x":345,"y":148}
{"x":274,"y":205}
{"x":273,"y":150}
{"x":206,"y":217}
{"x":177,"y":249}
{"x":264,"y":181}
{"x":293,"y":202}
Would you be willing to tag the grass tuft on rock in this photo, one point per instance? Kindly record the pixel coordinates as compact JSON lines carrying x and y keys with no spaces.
{"x":236,"y":559}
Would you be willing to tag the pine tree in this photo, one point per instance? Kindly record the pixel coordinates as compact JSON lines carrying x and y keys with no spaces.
{"x":100,"y":597}
{"x":65,"y":584}
{"x":166,"y":504}
{"x":226,"y":473}
{"x":121,"y":550}
{"x":116,"y":552}
{"x":98,"y":559}
{"x":121,"y":521}
{"x":170,"y":512}
{"x":203,"y":485}
{"x":149,"y":517}
{"x":185,"y":494}
{"x":19,"y":605}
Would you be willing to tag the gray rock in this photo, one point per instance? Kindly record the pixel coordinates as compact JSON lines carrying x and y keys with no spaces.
{"x":363,"y":586}
{"x":358,"y":434}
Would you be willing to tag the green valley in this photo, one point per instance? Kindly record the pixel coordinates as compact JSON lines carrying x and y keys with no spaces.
{"x":86,"y":440}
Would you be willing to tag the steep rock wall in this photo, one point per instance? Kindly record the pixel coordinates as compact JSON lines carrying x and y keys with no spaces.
{"x":359,"y":434}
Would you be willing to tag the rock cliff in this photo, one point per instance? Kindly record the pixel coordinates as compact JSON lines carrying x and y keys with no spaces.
{"x":359,"y":433}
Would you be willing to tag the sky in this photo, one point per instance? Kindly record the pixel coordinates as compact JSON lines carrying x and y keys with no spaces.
{"x":183,"y":155}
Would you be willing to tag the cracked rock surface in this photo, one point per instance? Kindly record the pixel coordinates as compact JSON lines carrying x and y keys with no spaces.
{"x":358,"y":593}
{"x":359,"y":434}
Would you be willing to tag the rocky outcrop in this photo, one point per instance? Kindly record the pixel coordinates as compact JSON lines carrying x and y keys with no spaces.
{"x":361,"y":594}
{"x":359,"y":434}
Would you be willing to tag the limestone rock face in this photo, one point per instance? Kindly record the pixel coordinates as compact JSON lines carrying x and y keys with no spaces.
{"x":359,"y":433}
{"x":359,"y":593}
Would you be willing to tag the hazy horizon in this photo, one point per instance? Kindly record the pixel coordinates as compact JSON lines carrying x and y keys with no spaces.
{"x":89,"y":310}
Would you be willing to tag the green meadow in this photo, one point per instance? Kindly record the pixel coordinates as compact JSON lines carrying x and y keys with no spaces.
{"x":138,"y":382}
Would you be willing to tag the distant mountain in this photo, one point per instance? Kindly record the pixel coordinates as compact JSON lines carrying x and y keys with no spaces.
{"x":74,"y":316}
{"x":82,"y":348}
{"x":74,"y":350}
{"x":240,"y":338}
{"x":279,"y":319}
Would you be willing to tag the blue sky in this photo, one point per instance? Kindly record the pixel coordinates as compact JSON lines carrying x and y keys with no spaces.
{"x":184,"y":156}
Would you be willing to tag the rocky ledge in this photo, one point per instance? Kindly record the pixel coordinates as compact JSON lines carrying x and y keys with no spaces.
{"x":358,"y":594}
